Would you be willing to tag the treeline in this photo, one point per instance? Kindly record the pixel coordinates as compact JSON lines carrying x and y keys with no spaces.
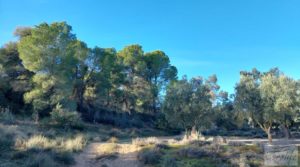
{"x":49,"y":72}
{"x":52,"y":69}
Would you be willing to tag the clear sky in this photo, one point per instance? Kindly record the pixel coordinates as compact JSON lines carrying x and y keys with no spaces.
{"x":201,"y":37}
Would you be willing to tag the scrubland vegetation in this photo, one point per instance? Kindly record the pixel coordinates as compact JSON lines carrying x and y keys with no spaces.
{"x":57,"y":95}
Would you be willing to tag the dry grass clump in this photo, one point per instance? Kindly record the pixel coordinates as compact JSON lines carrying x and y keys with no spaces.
{"x":109,"y":148}
{"x":43,"y":143}
{"x":145,"y":141}
{"x":113,"y":140}
{"x":74,"y":145}
{"x":39,"y":142}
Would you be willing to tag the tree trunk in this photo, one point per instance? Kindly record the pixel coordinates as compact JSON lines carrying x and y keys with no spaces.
{"x":268,"y":131}
{"x":154,"y":105}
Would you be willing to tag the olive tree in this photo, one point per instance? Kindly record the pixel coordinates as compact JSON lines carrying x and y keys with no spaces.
{"x":188,"y":103}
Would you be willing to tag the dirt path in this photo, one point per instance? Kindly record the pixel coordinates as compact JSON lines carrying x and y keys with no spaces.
{"x":92,"y":156}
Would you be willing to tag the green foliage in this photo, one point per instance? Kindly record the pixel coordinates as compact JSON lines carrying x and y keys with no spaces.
{"x":169,"y":162}
{"x":192,"y":152}
{"x":158,"y":73}
{"x":6,"y":116}
{"x":66,"y":72}
{"x":41,"y":160}
{"x":67,"y":119}
{"x":47,"y":53}
{"x":6,"y":140}
{"x":65,"y":158}
{"x":49,"y":72}
{"x":151,"y":156}
{"x":267,"y":98}
{"x":14,"y":78}
{"x":147,"y":75}
{"x":189,"y":103}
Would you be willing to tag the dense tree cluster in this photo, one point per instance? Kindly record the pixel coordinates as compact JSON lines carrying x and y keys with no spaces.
{"x":48,"y":71}
{"x":49,"y":67}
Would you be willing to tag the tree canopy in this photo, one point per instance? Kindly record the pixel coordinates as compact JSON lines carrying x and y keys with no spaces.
{"x":49,"y":71}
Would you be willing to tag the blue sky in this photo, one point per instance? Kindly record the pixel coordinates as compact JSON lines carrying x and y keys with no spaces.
{"x":201,"y":37}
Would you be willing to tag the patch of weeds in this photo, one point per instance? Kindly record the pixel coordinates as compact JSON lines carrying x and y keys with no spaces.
{"x":6,"y":140}
{"x":65,"y":158}
{"x":162,"y":146}
{"x":19,"y":155}
{"x":6,"y":116}
{"x":41,"y":160}
{"x":150,"y":156}
{"x":191,"y":152}
{"x":170,"y":162}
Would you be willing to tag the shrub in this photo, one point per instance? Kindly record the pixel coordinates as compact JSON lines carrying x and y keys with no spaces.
{"x":191,"y":152}
{"x":64,"y":158}
{"x":151,"y":157}
{"x":6,"y":116}
{"x":19,"y":155}
{"x":6,"y":140}
{"x":169,"y":162}
{"x":66,"y":119}
{"x":162,"y":146}
{"x":41,"y":160}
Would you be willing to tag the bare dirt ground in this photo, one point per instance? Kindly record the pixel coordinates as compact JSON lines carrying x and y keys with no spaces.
{"x":126,"y":157}
{"x":127,"y":153}
{"x":91,"y":156}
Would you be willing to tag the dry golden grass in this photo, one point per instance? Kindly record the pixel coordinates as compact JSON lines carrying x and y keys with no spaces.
{"x":145,"y":141}
{"x":74,"y":145}
{"x":41,"y":142}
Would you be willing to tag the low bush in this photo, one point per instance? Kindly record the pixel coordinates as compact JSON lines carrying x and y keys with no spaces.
{"x":6,"y":116}
{"x":41,"y":160}
{"x":169,"y":162}
{"x":162,"y":146}
{"x":191,"y":152}
{"x":6,"y":140}
{"x":150,"y":157}
{"x":19,"y":155}
{"x":65,"y":158}
{"x":67,"y":119}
